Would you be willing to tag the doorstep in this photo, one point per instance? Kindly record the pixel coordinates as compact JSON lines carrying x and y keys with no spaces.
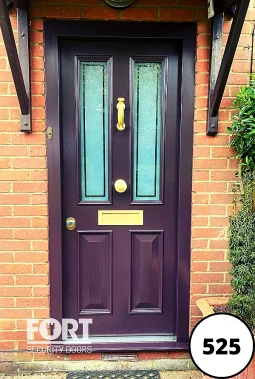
{"x":51,"y":367}
{"x":163,"y":375}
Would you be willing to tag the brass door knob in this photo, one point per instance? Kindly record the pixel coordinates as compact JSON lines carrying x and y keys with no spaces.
{"x":70,"y":223}
{"x":120,"y":186}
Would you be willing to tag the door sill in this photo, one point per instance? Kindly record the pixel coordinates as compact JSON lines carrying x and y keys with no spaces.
{"x":121,"y":339}
{"x":122,"y":343}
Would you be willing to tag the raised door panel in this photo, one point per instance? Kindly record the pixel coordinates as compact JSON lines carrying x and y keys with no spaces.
{"x":95,"y":272}
{"x":146,"y":272}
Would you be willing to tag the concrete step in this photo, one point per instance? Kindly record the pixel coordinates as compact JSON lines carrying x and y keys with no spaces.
{"x":163,"y":375}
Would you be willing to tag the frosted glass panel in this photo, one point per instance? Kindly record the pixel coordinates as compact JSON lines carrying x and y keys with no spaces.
{"x":147,"y":131}
{"x":94,"y":130}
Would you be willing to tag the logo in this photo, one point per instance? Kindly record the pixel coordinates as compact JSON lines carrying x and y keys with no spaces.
{"x":51,"y":331}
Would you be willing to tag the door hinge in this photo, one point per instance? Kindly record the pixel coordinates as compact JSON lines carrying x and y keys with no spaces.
{"x":49,"y":132}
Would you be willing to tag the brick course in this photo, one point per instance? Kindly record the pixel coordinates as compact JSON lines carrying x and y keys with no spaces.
{"x":23,"y":175}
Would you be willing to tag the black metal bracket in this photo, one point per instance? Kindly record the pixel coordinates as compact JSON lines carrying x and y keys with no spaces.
{"x":216,"y":52}
{"x":220,"y":69}
{"x":19,"y":62}
{"x":24,"y":56}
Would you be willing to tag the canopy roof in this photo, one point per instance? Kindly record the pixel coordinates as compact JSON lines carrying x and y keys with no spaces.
{"x":220,"y":5}
{"x":219,"y":71}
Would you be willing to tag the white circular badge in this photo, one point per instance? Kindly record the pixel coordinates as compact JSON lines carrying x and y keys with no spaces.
{"x":221,"y":345}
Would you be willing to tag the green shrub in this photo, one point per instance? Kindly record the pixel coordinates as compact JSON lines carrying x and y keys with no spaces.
{"x":243,"y":127}
{"x":242,"y":223}
{"x":242,"y":252}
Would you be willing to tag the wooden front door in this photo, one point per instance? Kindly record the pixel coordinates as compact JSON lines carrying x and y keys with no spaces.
{"x":120,"y":112}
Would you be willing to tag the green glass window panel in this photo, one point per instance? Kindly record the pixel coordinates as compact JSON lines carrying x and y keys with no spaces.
{"x":147,"y":131}
{"x":94,"y":131}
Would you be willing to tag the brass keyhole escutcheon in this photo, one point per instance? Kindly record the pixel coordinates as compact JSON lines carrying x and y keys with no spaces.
{"x":120,"y":186}
{"x":70,"y":223}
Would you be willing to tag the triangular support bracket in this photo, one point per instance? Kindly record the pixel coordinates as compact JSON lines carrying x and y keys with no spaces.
{"x":19,"y":61}
{"x":220,"y":68}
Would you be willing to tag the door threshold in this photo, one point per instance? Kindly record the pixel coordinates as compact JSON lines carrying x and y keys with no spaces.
{"x":121,"y":339}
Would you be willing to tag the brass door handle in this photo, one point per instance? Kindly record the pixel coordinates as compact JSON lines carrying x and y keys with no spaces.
{"x":120,"y":186}
{"x":70,"y":223}
{"x":121,"y":114}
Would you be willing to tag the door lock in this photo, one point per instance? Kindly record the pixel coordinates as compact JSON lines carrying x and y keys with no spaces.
{"x":70,"y":223}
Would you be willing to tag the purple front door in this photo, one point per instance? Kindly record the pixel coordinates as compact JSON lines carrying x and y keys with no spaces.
{"x":120,"y":183}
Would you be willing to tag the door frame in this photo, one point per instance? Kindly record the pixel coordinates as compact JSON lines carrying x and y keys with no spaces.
{"x":186,"y":33}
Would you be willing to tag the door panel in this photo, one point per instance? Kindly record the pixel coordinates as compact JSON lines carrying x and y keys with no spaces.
{"x":123,"y":275}
{"x":146,"y":272}
{"x":95,"y":272}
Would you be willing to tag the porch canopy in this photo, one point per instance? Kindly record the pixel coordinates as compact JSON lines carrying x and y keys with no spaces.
{"x":219,"y":70}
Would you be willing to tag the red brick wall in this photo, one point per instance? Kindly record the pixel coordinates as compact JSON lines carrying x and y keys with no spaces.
{"x":23,"y":176}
